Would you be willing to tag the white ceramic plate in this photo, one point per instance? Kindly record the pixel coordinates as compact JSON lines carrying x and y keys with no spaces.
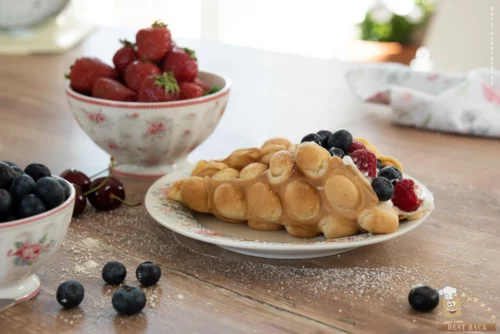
{"x":242,"y":239}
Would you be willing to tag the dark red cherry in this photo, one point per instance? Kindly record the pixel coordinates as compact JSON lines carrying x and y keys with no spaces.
{"x":109,"y":196}
{"x":76,"y":177}
{"x":80,"y":201}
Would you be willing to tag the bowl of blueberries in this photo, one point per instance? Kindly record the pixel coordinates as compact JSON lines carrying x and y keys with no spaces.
{"x":35,"y":212}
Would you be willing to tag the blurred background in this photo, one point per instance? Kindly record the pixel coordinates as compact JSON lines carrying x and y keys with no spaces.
{"x":450,"y":35}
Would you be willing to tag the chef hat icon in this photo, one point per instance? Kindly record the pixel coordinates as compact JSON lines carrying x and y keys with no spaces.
{"x":448,"y":292}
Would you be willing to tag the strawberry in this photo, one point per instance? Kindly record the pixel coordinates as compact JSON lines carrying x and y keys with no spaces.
{"x":153,"y":43}
{"x":136,"y":72}
{"x":189,"y":90}
{"x":405,"y":197}
{"x":181,"y":61}
{"x":124,"y":56}
{"x":109,"y":89}
{"x":356,"y":145}
{"x":86,"y":70}
{"x":159,"y":88}
{"x":366,"y":162}
{"x":203,"y":85}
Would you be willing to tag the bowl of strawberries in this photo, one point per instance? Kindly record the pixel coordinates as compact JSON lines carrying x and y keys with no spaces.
{"x":152,"y":107}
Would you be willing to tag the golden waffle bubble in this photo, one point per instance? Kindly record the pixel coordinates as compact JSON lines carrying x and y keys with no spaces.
{"x":302,"y":201}
{"x":263,"y":202}
{"x":336,"y":227}
{"x":229,"y":201}
{"x":312,"y":159}
{"x":194,"y":194}
{"x":252,"y":170}
{"x":243,"y":157}
{"x":342,"y":192}
{"x":380,"y":219}
{"x":207,"y":168}
{"x":226,"y":174}
{"x":281,"y":167}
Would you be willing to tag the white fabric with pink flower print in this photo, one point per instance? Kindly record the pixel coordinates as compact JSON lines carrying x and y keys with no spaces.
{"x":452,"y":102}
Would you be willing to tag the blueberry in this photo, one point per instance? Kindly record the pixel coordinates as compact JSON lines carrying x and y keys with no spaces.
{"x":114,"y":273}
{"x":21,"y":186}
{"x":70,"y":294}
{"x":312,"y":137}
{"x":383,"y":188}
{"x":379,"y":164}
{"x":6,"y":176}
{"x":17,"y":171}
{"x":50,"y":192}
{"x":325,"y":136}
{"x":390,"y":173}
{"x":30,"y":205}
{"x":6,"y":205}
{"x":148,"y":273}
{"x":37,"y":171}
{"x":336,"y":152}
{"x":66,"y":188}
{"x":10,"y":163}
{"x":128,"y":300}
{"x":341,"y":139}
{"x":423,"y":298}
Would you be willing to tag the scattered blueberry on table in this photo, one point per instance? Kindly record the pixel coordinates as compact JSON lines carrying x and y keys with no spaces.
{"x":148,"y":273}
{"x":114,"y":272}
{"x":128,"y":300}
{"x":423,"y":298}
{"x":70,"y":294}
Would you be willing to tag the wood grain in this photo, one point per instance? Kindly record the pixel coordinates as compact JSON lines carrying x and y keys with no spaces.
{"x":205,"y":289}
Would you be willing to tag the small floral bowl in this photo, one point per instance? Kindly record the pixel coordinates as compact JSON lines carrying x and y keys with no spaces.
{"x":28,"y":243}
{"x":148,"y":139}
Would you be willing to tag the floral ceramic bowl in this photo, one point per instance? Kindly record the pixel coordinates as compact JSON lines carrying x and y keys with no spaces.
{"x":147,"y":139}
{"x":26,"y":244}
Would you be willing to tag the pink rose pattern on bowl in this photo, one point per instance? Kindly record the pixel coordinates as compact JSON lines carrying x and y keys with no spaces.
{"x":26,"y":253}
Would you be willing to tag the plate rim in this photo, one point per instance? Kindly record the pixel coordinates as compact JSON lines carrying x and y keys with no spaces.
{"x":276,"y":246}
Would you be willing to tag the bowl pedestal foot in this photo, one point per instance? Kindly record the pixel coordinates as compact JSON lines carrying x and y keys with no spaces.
{"x":152,"y":172}
{"x":21,"y":290}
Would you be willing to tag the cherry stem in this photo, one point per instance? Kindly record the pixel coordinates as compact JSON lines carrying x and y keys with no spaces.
{"x":113,"y":196}
{"x":111,"y":165}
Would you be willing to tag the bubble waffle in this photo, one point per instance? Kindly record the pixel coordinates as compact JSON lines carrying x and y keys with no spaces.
{"x":297,"y":187}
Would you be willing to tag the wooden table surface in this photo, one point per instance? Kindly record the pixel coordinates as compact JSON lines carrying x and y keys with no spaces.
{"x":205,"y":289}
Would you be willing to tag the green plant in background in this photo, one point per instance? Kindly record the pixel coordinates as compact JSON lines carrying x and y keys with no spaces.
{"x":382,"y":25}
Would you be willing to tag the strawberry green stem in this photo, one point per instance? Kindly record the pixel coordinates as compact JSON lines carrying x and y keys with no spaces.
{"x":159,"y":24}
{"x":168,"y":81}
{"x":126,"y":42}
{"x":191,"y":53}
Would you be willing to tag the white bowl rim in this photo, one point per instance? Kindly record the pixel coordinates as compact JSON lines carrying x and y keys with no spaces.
{"x":152,"y":105}
{"x":41,"y":216}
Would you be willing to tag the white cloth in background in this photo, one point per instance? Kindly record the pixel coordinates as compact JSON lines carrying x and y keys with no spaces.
{"x":451,"y":102}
